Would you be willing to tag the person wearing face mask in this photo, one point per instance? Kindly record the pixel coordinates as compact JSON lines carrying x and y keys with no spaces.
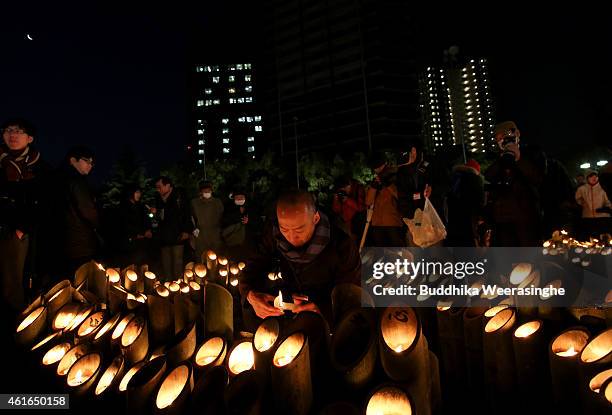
{"x":596,"y":207}
{"x":235,"y":224}
{"x":207,"y":212}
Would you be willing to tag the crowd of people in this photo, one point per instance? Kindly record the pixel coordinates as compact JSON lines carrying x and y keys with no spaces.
{"x":50,"y":222}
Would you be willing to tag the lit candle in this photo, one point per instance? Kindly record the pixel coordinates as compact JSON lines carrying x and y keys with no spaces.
{"x":567,"y":353}
{"x":279,"y":303}
{"x":242,"y":358}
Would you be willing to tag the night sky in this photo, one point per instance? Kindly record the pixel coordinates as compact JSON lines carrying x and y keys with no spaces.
{"x":110,"y":77}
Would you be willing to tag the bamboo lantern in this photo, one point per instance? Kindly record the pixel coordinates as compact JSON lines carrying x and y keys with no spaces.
{"x":205,"y":397}
{"x":184,"y":287}
{"x":346,"y":297}
{"x":119,"y":329}
{"x":142,"y":386}
{"x":186,"y":312}
{"x":241,"y":358}
{"x":195,"y":293}
{"x":56,"y":353}
{"x":264,"y":340}
{"x":389,"y":400}
{"x":524,"y":275}
{"x":64,"y":317}
{"x":452,"y":350}
{"x":56,"y":298}
{"x":564,"y":357}
{"x":290,"y":375}
{"x":31,"y":326}
{"x":88,"y":328}
{"x":188,"y":276}
{"x":175,"y":390}
{"x":597,"y":355}
{"x":532,"y":369}
{"x":211,"y":263}
{"x":84,"y":373}
{"x":404,"y":353}
{"x":211,"y":353}
{"x":219,"y":311}
{"x":606,"y":393}
{"x":593,"y":398}
{"x":223,"y":276}
{"x":111,"y":376}
{"x":500,"y":371}
{"x":117,"y":297}
{"x":80,"y":318}
{"x":316,"y":329}
{"x":103,"y":336}
{"x":245,"y":394}
{"x":353,"y":347}
{"x":135,"y":340}
{"x":200,"y":272}
{"x":183,"y":346}
{"x":125,"y":380}
{"x":131,"y":282}
{"x":97,"y":281}
{"x":493,"y":311}
{"x":241,"y":266}
{"x":150,"y":279}
{"x":161,"y":316}
{"x":473,"y":318}
{"x":70,"y":357}
{"x":50,"y":340}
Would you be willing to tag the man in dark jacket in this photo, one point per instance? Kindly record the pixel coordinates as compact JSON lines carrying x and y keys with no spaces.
{"x":312,"y":256}
{"x":21,"y":172}
{"x":77,"y":214}
{"x":175,"y":224}
{"x":465,"y":204}
{"x":135,"y":227}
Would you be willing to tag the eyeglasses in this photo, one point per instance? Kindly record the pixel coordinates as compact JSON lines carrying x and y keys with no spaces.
{"x":88,"y":161}
{"x":16,"y":130}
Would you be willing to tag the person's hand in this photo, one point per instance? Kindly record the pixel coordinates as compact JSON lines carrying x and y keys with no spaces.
{"x":245,"y":219}
{"x":184,"y":236}
{"x":148,"y":234}
{"x":19,"y":234}
{"x":427,"y":191}
{"x":263,"y":304}
{"x":303,"y":305}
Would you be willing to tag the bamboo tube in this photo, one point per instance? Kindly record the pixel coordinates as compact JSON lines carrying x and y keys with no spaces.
{"x":500,"y":371}
{"x":404,"y":354}
{"x":265,"y":342}
{"x":90,"y":326}
{"x":596,"y":356}
{"x":473,"y":328}
{"x":452,"y":350}
{"x":205,"y":397}
{"x":41,"y":348}
{"x":240,"y":358}
{"x":57,"y":297}
{"x":564,"y":356}
{"x":219,"y":314}
{"x":436,"y":390}
{"x":150,"y":280}
{"x":161,"y":317}
{"x":135,"y":340}
{"x":389,"y":399}
{"x":31,"y":327}
{"x":117,"y":297}
{"x":110,"y":377}
{"x":65,"y":316}
{"x":183,"y":346}
{"x":70,"y":357}
{"x":604,"y":403}
{"x":245,"y":394}
{"x":354,"y":346}
{"x":290,"y":375}
{"x":142,"y":386}
{"x":315,"y":328}
{"x":186,"y":312}
{"x":594,"y":401}
{"x":174,"y":390}
{"x":210,"y":354}
{"x":84,"y":373}
{"x":119,"y":329}
{"x":346,"y":297}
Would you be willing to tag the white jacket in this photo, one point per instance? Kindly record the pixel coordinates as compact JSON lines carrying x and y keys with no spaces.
{"x":592,"y":198}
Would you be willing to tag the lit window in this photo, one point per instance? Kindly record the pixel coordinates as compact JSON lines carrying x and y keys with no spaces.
{"x":200,"y":142}
{"x":231,"y":78}
{"x":200,"y":122}
{"x":247,"y":66}
{"x":200,"y":151}
{"x":226,"y":141}
{"x":251,"y":139}
{"x":248,"y":99}
{"x":200,"y":161}
{"x":247,"y":78}
{"x":242,"y":119}
{"x":231,"y":90}
{"x":258,"y":118}
{"x":248,"y":88}
{"x":249,"y":119}
{"x":199,"y":69}
{"x":217,"y":102}
{"x":200,"y":102}
{"x":200,"y":132}
{"x":215,"y":79}
{"x":251,"y":149}
{"x":226,"y":131}
{"x":225,"y":120}
{"x":208,"y":91}
{"x":258,"y":128}
{"x":209,"y":102}
{"x":239,"y":66}
{"x":226,"y":150}
{"x":240,"y":100}
{"x":232,"y":68}
{"x":232,"y":100}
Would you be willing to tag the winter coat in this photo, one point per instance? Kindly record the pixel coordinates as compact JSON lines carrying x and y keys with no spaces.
{"x":133,"y":221}
{"x":411,"y":182}
{"x":465,"y":203}
{"x":207,"y":215}
{"x":592,"y":198}
{"x":384,"y":197}
{"x":173,"y":218}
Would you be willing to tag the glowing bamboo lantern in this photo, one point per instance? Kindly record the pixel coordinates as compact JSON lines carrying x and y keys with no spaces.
{"x":200,"y":272}
{"x":186,"y":312}
{"x":354,"y":347}
{"x":184,"y":287}
{"x":473,"y":318}
{"x":244,"y":394}
{"x":150,"y":279}
{"x":211,"y":263}
{"x":606,"y":391}
{"x":64,"y":317}
{"x":241,"y":358}
{"x":117,"y":297}
{"x":404,"y":353}
{"x":88,"y":328}
{"x":531,"y":357}
{"x":241,"y":266}
{"x":56,"y":353}
{"x":264,"y":340}
{"x":211,"y":353}
{"x":135,"y":340}
{"x":142,"y":386}
{"x":188,"y":276}
{"x":174,"y":390}
{"x":131,"y":282}
{"x":84,"y":373}
{"x":219,"y":311}
{"x":346,"y":297}
{"x":111,"y":376}
{"x":160,"y":307}
{"x":119,"y":329}
{"x":80,"y":318}
{"x":51,"y":340}
{"x":492,"y":312}
{"x":290,"y":375}
{"x":195,"y":292}
{"x":182,"y":347}
{"x":593,"y":399}
{"x":208,"y":389}
{"x":70,"y":357}
{"x":389,"y":400}
{"x":56,"y":298}
{"x":564,"y":357}
{"x":524,"y":275}
{"x":125,"y":380}
{"x":102,"y":337}
{"x":596,"y":356}
{"x":31,"y":326}
{"x":500,"y":370}
{"x":452,"y":350}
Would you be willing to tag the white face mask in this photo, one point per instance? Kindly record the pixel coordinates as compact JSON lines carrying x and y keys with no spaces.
{"x":207,"y":195}
{"x":240,"y":202}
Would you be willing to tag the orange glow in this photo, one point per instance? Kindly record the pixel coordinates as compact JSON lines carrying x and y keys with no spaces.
{"x":598,"y":348}
{"x":210,"y":351}
{"x":109,"y":375}
{"x":172,"y":386}
{"x":527,"y":329}
{"x":55,"y":354}
{"x":289,"y":349}
{"x":389,"y":400}
{"x":242,"y":358}
{"x":399,"y":333}
{"x":266,"y":335}
{"x":30,"y":318}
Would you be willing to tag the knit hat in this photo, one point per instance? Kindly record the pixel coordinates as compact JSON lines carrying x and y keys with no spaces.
{"x":473,"y":164}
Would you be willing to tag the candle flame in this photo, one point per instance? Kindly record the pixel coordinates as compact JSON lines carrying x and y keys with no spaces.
{"x":100,"y":267}
{"x":568,"y":353}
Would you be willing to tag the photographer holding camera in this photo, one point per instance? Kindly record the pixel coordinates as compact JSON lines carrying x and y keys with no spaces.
{"x":514,"y":199}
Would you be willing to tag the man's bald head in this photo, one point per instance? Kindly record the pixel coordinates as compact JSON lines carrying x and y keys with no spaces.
{"x":297,"y":216}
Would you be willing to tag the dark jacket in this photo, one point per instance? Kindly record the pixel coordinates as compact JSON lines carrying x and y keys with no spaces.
{"x":465,"y":204}
{"x":174,"y":218}
{"x":133,"y":221}
{"x":339,"y":262}
{"x":411,"y":181}
{"x":77,"y":214}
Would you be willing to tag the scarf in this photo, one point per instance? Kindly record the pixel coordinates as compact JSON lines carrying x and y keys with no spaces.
{"x":316,"y":245}
{"x":17,"y":165}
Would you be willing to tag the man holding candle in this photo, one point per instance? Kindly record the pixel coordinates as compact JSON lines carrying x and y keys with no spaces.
{"x":314,"y":256}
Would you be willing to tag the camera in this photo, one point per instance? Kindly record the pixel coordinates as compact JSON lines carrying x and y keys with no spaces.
{"x":508,"y":140}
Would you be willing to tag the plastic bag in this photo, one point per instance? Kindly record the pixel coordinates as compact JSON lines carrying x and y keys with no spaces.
{"x":426,"y":227}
